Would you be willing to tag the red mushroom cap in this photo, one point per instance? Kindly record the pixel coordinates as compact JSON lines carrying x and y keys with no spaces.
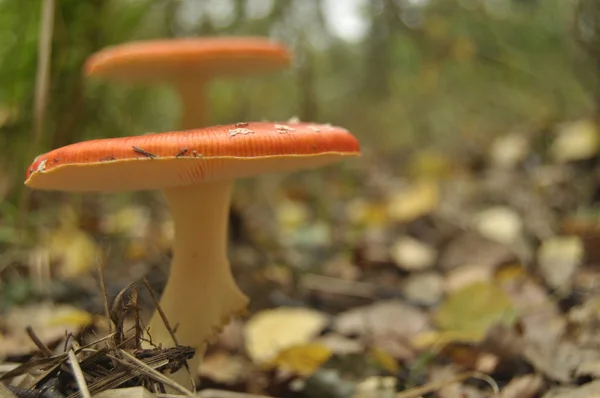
{"x":179,"y":158}
{"x":168,"y":59}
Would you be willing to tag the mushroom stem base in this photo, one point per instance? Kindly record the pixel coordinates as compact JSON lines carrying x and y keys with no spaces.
{"x":201,"y":294}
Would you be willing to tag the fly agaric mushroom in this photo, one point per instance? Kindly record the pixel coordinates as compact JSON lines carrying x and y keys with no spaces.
{"x":196,"y":170}
{"x":187,"y":64}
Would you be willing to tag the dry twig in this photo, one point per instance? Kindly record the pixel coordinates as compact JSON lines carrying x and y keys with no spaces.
{"x":78,"y":374}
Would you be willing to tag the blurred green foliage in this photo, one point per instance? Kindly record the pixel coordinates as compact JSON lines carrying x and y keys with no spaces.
{"x":447,"y":73}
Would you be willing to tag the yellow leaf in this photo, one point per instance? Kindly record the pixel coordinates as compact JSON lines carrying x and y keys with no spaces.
{"x":269,"y":332}
{"x":471,"y":310}
{"x":303,"y":359}
{"x":510,"y":273}
{"x":384,"y":360}
{"x":420,"y":199}
{"x":362,"y":212}
{"x":74,"y":249}
{"x":70,"y":316}
{"x":576,"y":141}
{"x":292,"y":214}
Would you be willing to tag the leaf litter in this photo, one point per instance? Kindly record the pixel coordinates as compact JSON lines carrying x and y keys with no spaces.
{"x":456,"y":280}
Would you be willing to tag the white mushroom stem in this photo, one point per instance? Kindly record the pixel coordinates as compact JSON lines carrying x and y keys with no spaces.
{"x":201,"y":293}
{"x":194,"y":107}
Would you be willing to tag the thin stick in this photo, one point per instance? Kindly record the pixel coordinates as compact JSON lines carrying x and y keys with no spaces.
{"x":213,"y":393}
{"x":418,"y":391}
{"x":168,"y":326}
{"x":104,"y":295}
{"x":156,"y":375}
{"x":79,"y":378}
{"x":160,"y":311}
{"x":39,"y":343}
{"x":5,"y":392}
{"x":42,"y":82}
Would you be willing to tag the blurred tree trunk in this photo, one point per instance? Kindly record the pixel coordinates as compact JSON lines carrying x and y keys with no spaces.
{"x":306,"y":81}
{"x":378,"y":68}
{"x":68,"y":83}
{"x":587,"y":32}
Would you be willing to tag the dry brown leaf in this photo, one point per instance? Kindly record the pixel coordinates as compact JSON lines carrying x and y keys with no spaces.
{"x":50,"y":322}
{"x":131,"y":392}
{"x":224,"y":368}
{"x":527,"y":386}
{"x":390,"y":324}
{"x":426,"y":288}
{"x":473,"y":249}
{"x":558,"y":361}
{"x":590,"y":390}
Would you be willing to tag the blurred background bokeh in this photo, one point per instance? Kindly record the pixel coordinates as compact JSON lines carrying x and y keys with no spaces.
{"x":477,"y":121}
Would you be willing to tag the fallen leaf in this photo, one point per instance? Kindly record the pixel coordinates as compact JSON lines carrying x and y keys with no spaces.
{"x":131,"y":392}
{"x":339,"y":344}
{"x":302,"y":360}
{"x":132,"y":221}
{"x":49,"y":322}
{"x":269,"y":332}
{"x":412,"y":255}
{"x":364,"y":213}
{"x":376,"y":386}
{"x":471,"y":248}
{"x":426,"y":288}
{"x":465,"y":275}
{"x":588,"y":368}
{"x":559,"y":258}
{"x":384,"y":360}
{"x":74,"y":250}
{"x":527,"y":386}
{"x":390,"y":324}
{"x":292,"y":214}
{"x":509,"y":150}
{"x":224,"y":368}
{"x":558,"y":361}
{"x":474,"y":309}
{"x":589,"y":390}
{"x":418,"y":200}
{"x":500,"y":224}
{"x":575,"y":141}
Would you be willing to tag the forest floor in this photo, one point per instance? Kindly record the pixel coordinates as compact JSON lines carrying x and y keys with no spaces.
{"x":457,"y":277}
